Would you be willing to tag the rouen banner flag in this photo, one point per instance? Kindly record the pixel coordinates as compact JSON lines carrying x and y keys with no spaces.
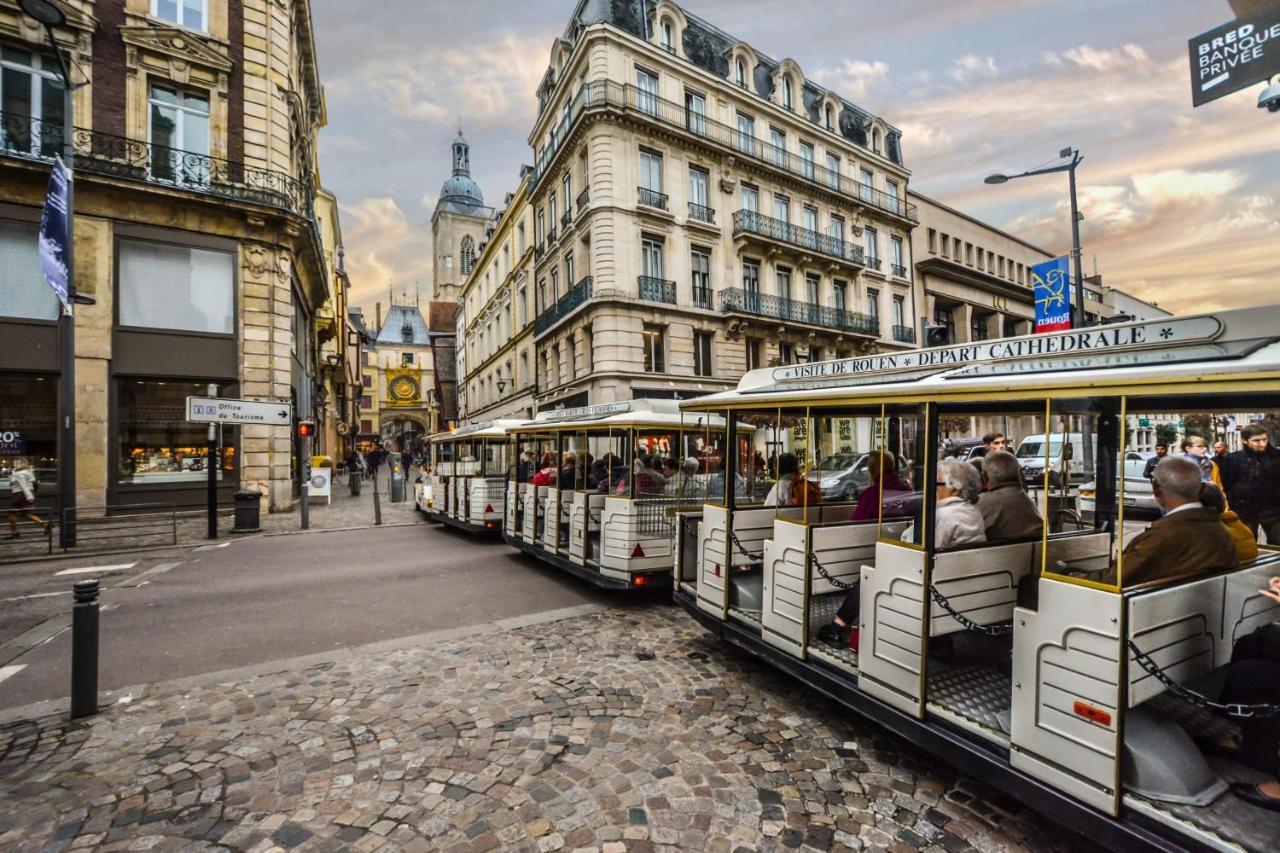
{"x":54,"y":228}
{"x":1051,"y":283}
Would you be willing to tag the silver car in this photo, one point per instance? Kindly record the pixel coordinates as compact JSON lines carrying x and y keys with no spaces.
{"x":1139,"y":500}
{"x":843,"y":476}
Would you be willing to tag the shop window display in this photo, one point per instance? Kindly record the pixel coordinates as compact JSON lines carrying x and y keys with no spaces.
{"x":28,"y":427}
{"x":156,"y":443}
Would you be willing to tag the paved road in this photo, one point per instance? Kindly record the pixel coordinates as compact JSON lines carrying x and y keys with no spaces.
{"x":179,"y":613}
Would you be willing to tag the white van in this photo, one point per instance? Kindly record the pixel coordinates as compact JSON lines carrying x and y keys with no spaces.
{"x":1031,"y":456}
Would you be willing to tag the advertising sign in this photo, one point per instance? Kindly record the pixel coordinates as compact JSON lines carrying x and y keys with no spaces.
{"x":320,"y":484}
{"x":54,"y":227}
{"x":1051,"y":283}
{"x":11,"y":443}
{"x":1237,"y":54}
{"x":217,"y":410}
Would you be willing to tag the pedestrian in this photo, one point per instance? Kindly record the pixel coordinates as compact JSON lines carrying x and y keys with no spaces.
{"x":1219,"y":453}
{"x":1162,"y":450}
{"x":1195,"y":448}
{"x":1252,"y":479}
{"x":22,"y":484}
{"x":991,"y":442}
{"x":375,"y":461}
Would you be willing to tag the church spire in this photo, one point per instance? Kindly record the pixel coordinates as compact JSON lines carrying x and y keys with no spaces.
{"x":461,"y":155}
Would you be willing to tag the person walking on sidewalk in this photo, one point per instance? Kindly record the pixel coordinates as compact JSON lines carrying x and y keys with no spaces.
{"x":22,"y":484}
{"x":375,"y":462}
{"x":1252,"y":479}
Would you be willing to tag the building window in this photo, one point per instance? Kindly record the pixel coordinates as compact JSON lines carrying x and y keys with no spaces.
{"x":872,"y":244}
{"x":831,"y":118}
{"x":753,"y":353}
{"x":891,"y":195}
{"x":751,"y":284}
{"x":651,"y":256}
{"x":366,"y":381}
{"x":191,"y":14}
{"x":699,"y":193}
{"x":555,"y":284}
{"x":943,"y":316}
{"x":786,"y":353}
{"x":28,"y":427}
{"x":810,"y":223}
{"x":899,"y":311}
{"x":784,"y":283}
{"x":702,"y":353}
{"x":468,"y":254}
{"x":740,"y":73}
{"x":647,"y":91}
{"x":700,"y":267}
{"x":899,"y":261}
{"x":812,"y":289}
{"x":875,"y":139}
{"x":815,"y":353}
{"x":366,"y":426}
{"x":551,"y":214}
{"x":155,"y":441}
{"x":568,"y":270}
{"x":866,"y":189}
{"x":750,"y":198}
{"x":650,"y":178}
{"x":833,"y":170}
{"x":524,"y":307}
{"x":807,"y":161}
{"x":782,"y":208}
{"x":406,"y":359}
{"x":572,"y":343}
{"x":978,"y":327}
{"x":668,"y":36}
{"x":836,"y":228}
{"x":746,"y":133}
{"x":1010,"y":327}
{"x":179,"y":125}
{"x":695,"y":106}
{"x":366,"y":402}
{"x":542,"y":296}
{"x":788,"y":94}
{"x":520,"y":238}
{"x":841,"y":291}
{"x":968,"y":253}
{"x":778,"y":146}
{"x":31,"y":88}
{"x":566,"y":190}
{"x":655,"y":349}
{"x":873,"y":303}
{"x":933,"y":241}
{"x":540,"y":232}
{"x":176,"y":287}
{"x":23,"y":291}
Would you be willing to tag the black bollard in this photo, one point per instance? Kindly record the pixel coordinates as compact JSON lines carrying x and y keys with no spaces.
{"x":377,"y":502}
{"x":84,"y":650}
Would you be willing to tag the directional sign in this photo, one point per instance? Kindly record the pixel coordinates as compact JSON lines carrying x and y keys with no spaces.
{"x":209,"y":410}
{"x":1237,"y":54}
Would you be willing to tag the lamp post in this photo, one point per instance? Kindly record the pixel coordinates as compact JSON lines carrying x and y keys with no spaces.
{"x":51,"y":16}
{"x":1077,"y":308}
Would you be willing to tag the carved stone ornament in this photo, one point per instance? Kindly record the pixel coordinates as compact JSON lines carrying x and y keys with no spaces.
{"x":728,"y":185}
{"x":255,"y":259}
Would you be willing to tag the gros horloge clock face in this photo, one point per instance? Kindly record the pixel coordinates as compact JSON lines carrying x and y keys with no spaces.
{"x":404,"y":388}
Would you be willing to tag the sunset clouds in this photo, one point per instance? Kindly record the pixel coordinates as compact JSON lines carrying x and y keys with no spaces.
{"x":1180,"y":205}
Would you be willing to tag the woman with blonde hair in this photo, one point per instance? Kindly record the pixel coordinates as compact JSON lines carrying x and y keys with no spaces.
{"x":22,"y":485}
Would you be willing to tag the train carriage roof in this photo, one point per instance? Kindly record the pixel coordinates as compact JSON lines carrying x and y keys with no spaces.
{"x":1233,"y":350}
{"x":481,"y":429}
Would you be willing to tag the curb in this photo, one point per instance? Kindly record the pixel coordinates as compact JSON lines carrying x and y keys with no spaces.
{"x":109,"y":699}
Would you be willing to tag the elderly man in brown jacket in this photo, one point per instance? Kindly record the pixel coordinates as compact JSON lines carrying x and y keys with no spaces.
{"x":1189,"y":540}
{"x":1006,"y":510}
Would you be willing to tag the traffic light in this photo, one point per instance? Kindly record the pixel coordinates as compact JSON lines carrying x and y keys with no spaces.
{"x":306,"y":429}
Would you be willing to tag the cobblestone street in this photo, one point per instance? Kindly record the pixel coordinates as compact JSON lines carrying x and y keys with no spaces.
{"x":627,"y":728}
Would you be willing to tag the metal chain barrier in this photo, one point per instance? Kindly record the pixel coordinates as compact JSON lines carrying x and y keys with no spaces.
{"x":1230,"y":709}
{"x":826,"y":576}
{"x":750,"y":556}
{"x":965,"y":622}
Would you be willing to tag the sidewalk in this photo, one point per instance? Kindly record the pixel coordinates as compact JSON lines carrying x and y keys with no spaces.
{"x":618,"y":728}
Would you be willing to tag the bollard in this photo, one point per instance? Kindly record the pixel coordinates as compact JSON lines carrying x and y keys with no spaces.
{"x":84,"y":650}
{"x":377,"y":502}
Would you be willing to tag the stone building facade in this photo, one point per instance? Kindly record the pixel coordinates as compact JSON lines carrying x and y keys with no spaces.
{"x":701,"y":209}
{"x":196,"y":234}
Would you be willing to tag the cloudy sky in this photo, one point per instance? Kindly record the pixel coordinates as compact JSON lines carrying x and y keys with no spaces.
{"x":1179,"y":204}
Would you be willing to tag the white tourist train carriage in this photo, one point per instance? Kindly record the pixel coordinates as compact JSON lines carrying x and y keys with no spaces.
{"x":469,"y":475}
{"x":1023,"y":662}
{"x":596,"y":490}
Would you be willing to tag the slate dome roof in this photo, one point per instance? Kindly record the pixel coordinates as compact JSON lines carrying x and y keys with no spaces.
{"x":460,"y":194}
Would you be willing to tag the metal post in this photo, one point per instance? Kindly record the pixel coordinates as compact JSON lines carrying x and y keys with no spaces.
{"x":84,"y":650}
{"x":305,"y":468}
{"x":377,"y":501}
{"x":213,"y":472}
{"x":1077,"y":317}
{"x":67,"y":326}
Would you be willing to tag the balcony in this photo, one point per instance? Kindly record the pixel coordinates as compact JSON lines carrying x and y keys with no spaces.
{"x":538,"y":251}
{"x":657,"y":289}
{"x":129,"y":159}
{"x":583,"y":198}
{"x":576,"y":295}
{"x":702,"y":213}
{"x":551,"y":236}
{"x":567,"y":219}
{"x":651,"y":198}
{"x":904,"y":334}
{"x":752,"y":223}
{"x":873,"y":263}
{"x":602,"y":95}
{"x":702,"y":297}
{"x":736,"y":300}
{"x":898,"y":270}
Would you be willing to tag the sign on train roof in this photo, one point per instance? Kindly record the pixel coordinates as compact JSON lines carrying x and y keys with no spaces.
{"x":1170,"y":331}
{"x":582,"y":412}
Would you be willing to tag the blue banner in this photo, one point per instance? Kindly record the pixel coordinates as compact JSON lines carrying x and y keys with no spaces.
{"x":54,"y":228}
{"x":1051,"y":284}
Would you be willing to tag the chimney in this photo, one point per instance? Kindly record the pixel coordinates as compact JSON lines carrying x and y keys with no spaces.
{"x":378,"y":327}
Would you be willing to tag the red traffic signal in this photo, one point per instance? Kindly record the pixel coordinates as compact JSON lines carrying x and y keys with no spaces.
{"x":306,"y":429}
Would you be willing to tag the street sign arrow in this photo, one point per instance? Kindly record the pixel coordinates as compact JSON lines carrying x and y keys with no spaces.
{"x":216,"y":410}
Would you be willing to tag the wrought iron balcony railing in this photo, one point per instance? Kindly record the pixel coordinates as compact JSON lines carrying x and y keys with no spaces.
{"x":583,"y":198}
{"x":575,"y":296}
{"x":898,"y":270}
{"x":873,"y":263}
{"x":130,"y":159}
{"x":538,"y":251}
{"x":741,"y":301}
{"x":652,"y":198}
{"x":702,"y":213}
{"x":702,"y":297}
{"x":904,"y":334}
{"x":603,"y":95}
{"x":657,"y":289}
{"x":750,"y":222}
{"x":551,"y":235}
{"x":567,"y":219}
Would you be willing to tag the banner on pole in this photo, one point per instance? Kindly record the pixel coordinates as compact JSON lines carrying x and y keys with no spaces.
{"x":1051,"y":283}
{"x":54,"y":229}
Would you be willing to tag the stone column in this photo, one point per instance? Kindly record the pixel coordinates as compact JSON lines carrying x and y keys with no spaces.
{"x":963,"y":315}
{"x":94,"y":274}
{"x":995,"y":325}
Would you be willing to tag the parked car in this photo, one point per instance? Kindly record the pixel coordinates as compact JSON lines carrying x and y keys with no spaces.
{"x":1139,"y":500}
{"x":843,"y":476}
{"x":1031,"y":455}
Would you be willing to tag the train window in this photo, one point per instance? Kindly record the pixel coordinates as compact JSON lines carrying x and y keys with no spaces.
{"x":845,"y":468}
{"x":903,"y":435}
{"x":753,"y":476}
{"x":701,"y":473}
{"x":495,"y":457}
{"x":607,"y":467}
{"x":525,"y":451}
{"x":575,"y":459}
{"x":655,"y":465}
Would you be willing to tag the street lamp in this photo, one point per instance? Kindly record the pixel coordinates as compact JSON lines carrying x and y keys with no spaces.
{"x":1077,"y":309}
{"x":50,"y":15}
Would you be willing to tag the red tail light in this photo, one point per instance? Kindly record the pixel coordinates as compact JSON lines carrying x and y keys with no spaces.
{"x":641,"y":580}
{"x":638,"y":552}
{"x":1096,"y":715}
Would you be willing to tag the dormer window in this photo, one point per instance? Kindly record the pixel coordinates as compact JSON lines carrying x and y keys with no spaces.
{"x":831,"y":118}
{"x":788,"y":97}
{"x":741,"y":72}
{"x":406,"y":335}
{"x":668,"y":36}
{"x":875,"y":139}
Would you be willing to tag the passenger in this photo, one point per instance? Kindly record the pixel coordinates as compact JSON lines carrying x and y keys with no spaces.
{"x":957,"y":522}
{"x":884,"y":479}
{"x":1162,"y":450}
{"x":1252,"y":478}
{"x":991,"y":442}
{"x":684,"y":483}
{"x":783,"y":492}
{"x":1189,"y":540}
{"x":1246,"y":542}
{"x":598,"y":472}
{"x":649,"y":481}
{"x":1219,"y":453}
{"x":547,"y":472}
{"x":1007,"y":512}
{"x":569,"y":471}
{"x":1195,"y":448}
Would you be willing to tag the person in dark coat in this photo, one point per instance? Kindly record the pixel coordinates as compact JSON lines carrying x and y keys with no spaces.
{"x":1251,"y":479}
{"x":1162,"y":450}
{"x":1006,"y":510}
{"x":1189,"y":540}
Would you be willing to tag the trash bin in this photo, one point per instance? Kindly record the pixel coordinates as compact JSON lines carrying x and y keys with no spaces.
{"x":354,"y":480}
{"x":395,"y":462}
{"x":248,"y":506}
